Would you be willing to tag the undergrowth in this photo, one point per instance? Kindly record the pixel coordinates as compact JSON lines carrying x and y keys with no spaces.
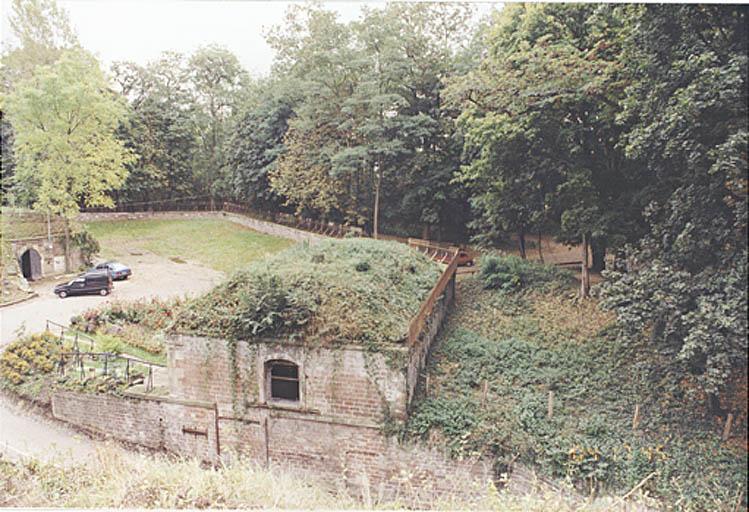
{"x":355,"y":291}
{"x":113,"y":479}
{"x":501,"y":354}
{"x":29,"y":368}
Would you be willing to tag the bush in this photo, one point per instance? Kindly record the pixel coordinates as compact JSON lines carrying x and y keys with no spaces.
{"x":29,"y":356}
{"x":88,"y":244}
{"x":511,"y":273}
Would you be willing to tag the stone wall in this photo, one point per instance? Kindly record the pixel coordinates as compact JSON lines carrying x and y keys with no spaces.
{"x":52,"y":254}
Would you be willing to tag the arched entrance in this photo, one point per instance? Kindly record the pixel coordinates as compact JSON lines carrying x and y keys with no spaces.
{"x":31,"y":265}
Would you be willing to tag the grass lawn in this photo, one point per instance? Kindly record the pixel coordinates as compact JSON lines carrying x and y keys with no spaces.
{"x":216,"y":243}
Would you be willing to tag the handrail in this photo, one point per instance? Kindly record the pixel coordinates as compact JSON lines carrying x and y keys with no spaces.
{"x":417,"y":323}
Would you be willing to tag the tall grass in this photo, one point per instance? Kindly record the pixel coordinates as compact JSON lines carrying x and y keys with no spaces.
{"x":117,"y":479}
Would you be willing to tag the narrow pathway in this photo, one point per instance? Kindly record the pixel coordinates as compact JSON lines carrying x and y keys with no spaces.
{"x":26,"y":433}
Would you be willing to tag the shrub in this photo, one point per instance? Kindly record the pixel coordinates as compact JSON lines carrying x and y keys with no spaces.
{"x":511,"y":273}
{"x":88,"y":244}
{"x":29,"y":356}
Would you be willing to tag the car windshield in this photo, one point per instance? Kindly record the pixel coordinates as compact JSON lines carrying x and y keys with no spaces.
{"x":75,"y":281}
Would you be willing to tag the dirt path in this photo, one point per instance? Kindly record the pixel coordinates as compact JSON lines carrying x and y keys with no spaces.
{"x":153,"y":276}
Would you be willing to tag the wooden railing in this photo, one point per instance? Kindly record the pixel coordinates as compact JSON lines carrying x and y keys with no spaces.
{"x":419,"y":321}
{"x":437,"y":251}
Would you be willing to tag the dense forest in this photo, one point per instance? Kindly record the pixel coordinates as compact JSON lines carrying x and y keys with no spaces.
{"x":624,"y":127}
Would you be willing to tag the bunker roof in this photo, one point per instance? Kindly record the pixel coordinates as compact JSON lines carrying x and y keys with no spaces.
{"x":336,"y":291}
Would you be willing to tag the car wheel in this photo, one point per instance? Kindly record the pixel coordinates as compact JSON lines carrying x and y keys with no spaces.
{"x":62,"y":295}
{"x":104,"y":292}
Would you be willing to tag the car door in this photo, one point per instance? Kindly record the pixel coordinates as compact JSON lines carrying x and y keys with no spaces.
{"x":78,"y":287}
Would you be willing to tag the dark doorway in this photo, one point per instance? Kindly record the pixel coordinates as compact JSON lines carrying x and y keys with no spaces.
{"x":31,"y":265}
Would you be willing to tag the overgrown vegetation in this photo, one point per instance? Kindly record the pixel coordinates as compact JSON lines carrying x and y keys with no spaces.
{"x":228,"y":248}
{"x":113,"y":479}
{"x":29,"y":368}
{"x":355,"y":291}
{"x":511,"y":273}
{"x":500,"y":356}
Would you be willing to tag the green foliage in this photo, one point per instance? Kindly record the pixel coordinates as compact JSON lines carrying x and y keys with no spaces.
{"x":596,"y":382}
{"x":160,"y":129}
{"x":64,"y":123}
{"x":511,"y":273}
{"x":28,"y":357}
{"x":317,"y":292}
{"x":255,"y":146}
{"x":88,"y":245}
{"x":684,"y":292}
{"x":154,"y":314}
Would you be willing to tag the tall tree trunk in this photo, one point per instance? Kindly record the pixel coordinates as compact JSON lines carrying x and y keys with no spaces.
{"x":584,"y":273}
{"x":598,"y":255}
{"x":68,"y":267}
{"x":425,"y":232}
{"x":540,"y":251}
{"x":521,"y":243}
{"x":376,"y":222}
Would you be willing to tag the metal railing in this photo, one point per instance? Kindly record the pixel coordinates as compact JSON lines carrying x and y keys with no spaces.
{"x":134,"y":370}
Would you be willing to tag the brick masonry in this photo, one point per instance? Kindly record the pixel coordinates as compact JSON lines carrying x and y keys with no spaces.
{"x":217,"y":408}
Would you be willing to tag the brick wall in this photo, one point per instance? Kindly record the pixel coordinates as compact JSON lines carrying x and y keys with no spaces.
{"x":184,"y":428}
{"x":342,"y":384}
{"x":358,"y":457}
{"x":420,"y":350}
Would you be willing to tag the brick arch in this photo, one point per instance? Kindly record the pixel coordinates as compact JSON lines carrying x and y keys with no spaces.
{"x":30,"y":261}
{"x":277,"y":359}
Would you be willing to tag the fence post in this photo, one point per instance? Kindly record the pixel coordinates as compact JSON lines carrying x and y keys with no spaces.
{"x":727,"y":427}
{"x":550,"y":407}
{"x":106,"y":363}
{"x":636,"y":417}
{"x":127,"y":370}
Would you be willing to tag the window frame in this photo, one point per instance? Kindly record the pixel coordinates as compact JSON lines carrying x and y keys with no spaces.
{"x":269,"y":378}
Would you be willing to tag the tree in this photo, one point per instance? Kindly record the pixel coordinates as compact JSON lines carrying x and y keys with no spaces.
{"x":540,"y":114}
{"x":256,"y":143}
{"x":67,"y":153}
{"x":160,"y":129}
{"x":43,"y":32}
{"x":217,"y":80}
{"x":686,"y":113}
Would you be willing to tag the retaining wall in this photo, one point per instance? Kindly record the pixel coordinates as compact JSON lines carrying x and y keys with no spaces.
{"x":361,"y":458}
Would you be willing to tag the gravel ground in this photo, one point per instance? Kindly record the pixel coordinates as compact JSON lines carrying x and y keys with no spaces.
{"x":153,"y":276}
{"x":26,"y":433}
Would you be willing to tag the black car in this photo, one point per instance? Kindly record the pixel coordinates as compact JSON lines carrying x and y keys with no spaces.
{"x":118,"y":270}
{"x":97,"y":282}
